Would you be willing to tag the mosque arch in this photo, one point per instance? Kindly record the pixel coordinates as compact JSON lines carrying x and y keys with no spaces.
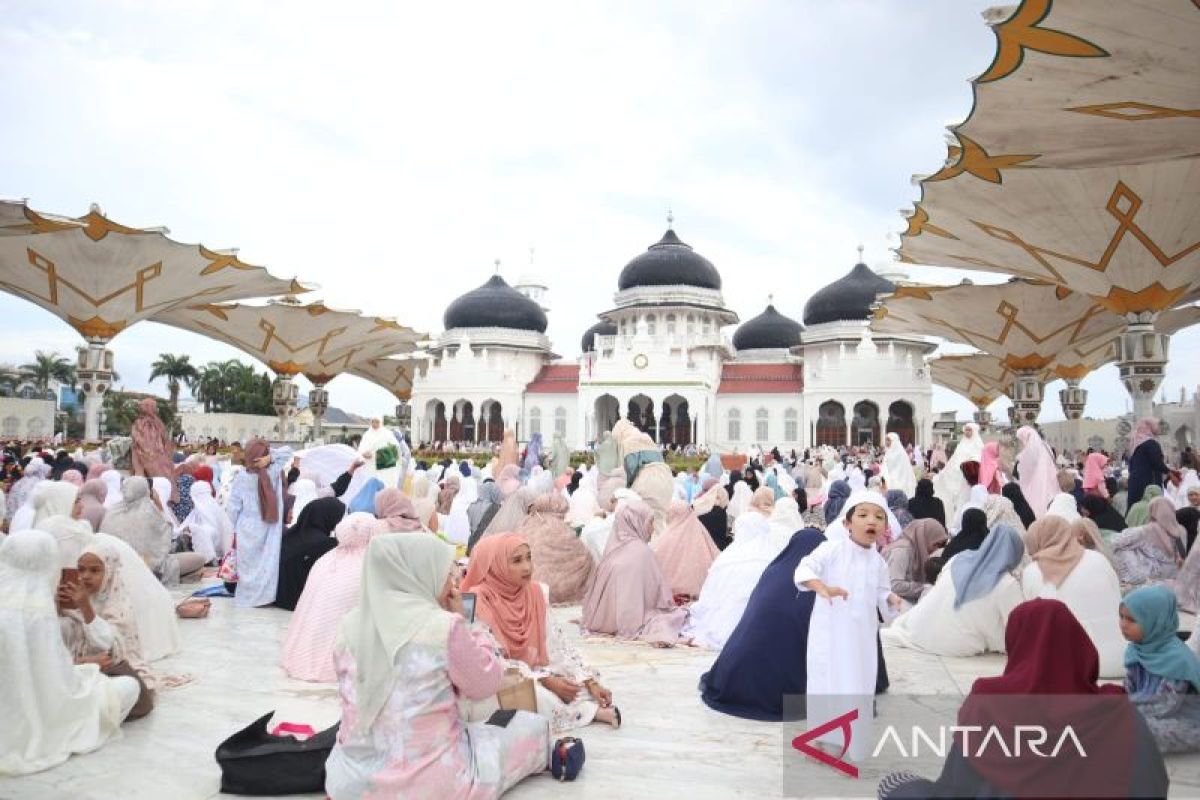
{"x":607,"y":411}
{"x":831,"y":424}
{"x":435,"y":412}
{"x":734,"y":423}
{"x":866,"y":423}
{"x":36,"y":427}
{"x":12,"y":426}
{"x":491,"y":421}
{"x":641,"y":413}
{"x":900,"y":421}
{"x":676,"y":421}
{"x":462,"y":425}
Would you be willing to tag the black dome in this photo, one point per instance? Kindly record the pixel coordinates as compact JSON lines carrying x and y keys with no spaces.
{"x":848,"y":298}
{"x":495,"y":305}
{"x":669,"y":262}
{"x":769,"y":330}
{"x":601,"y":328}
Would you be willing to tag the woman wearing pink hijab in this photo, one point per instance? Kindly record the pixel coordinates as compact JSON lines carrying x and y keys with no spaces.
{"x":73,"y":477}
{"x":331,"y":591}
{"x":1038,"y":473}
{"x":151,"y":450}
{"x":560,"y":559}
{"x":685,"y":551}
{"x":396,"y":510}
{"x":628,"y":597}
{"x":1093,"y":475}
{"x":1151,"y":553}
{"x":510,"y":479}
{"x":989,"y":468}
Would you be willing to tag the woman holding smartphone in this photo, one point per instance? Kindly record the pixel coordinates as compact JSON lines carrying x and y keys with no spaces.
{"x":517,"y":610}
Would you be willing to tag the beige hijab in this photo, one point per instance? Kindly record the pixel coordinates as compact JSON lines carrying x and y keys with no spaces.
{"x":402,"y":576}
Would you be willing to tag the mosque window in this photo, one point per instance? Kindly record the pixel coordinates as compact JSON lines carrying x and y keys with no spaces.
{"x":791,"y":430}
{"x":28,"y":393}
{"x":707,"y":325}
{"x":651,"y":324}
{"x":12,"y":426}
{"x":670,"y":324}
{"x":691,"y":324}
{"x":761,"y":425}
{"x":735,"y":425}
{"x":535,"y":421}
{"x":560,"y":421}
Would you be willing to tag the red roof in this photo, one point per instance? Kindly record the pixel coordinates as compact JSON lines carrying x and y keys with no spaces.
{"x":761,"y":379}
{"x":555,"y":379}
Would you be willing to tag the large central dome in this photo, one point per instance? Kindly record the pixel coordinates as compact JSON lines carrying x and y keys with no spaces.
{"x":495,"y":304}
{"x":848,"y":298}
{"x":669,"y":262}
{"x":770,"y":330}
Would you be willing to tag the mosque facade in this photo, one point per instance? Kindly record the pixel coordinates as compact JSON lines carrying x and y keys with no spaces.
{"x":672,"y":358}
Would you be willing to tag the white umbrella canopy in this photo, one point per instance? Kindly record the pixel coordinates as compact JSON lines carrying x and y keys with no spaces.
{"x":394,"y":374}
{"x":979,"y":377}
{"x":100,"y":277}
{"x":1077,"y":164}
{"x":292,"y":339}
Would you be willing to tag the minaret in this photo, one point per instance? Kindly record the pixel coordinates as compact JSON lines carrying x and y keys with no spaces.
{"x":533,"y":286}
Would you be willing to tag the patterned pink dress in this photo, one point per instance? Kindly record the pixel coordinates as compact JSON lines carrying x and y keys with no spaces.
{"x":420,"y":747}
{"x":330,"y":593}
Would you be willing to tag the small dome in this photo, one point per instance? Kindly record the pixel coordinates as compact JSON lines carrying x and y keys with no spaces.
{"x":848,"y":298}
{"x":495,"y":304}
{"x":601,"y":328}
{"x":669,"y":262}
{"x":770,"y":330}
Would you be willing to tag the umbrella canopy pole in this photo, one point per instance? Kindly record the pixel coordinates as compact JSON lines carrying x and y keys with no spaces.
{"x":1142,"y":360}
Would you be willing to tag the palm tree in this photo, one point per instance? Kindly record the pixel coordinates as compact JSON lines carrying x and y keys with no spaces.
{"x":177,"y":370}
{"x":47,"y":367}
{"x":10,"y":376}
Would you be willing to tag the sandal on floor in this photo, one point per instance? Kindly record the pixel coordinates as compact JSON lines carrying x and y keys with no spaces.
{"x":616,"y":723}
{"x":566,"y":758}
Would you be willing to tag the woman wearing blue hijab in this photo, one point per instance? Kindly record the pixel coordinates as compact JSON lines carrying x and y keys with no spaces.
{"x":365,"y":499}
{"x":754,"y":673}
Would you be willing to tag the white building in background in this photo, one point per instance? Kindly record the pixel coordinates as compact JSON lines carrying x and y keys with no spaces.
{"x":26,"y":417}
{"x":660,"y":357}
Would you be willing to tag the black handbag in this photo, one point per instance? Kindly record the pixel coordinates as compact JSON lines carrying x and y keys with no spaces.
{"x":253,"y":762}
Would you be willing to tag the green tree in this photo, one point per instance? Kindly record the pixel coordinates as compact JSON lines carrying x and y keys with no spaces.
{"x":121,"y":409}
{"x":234,"y":388}
{"x":47,"y":367}
{"x":178,"y":370}
{"x":10,"y":377}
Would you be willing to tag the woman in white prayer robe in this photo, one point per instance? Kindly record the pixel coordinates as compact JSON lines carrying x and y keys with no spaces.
{"x":374,"y":439}
{"x":949,"y":485}
{"x":208,"y":524}
{"x":967,"y":610}
{"x":898,"y":468}
{"x":53,"y":707}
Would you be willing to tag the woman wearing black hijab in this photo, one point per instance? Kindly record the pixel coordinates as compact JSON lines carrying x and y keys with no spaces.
{"x":924,"y":505}
{"x":303,"y":543}
{"x":1188,"y":517}
{"x":1012,"y":490}
{"x":974,"y":531}
{"x":1101,"y":512}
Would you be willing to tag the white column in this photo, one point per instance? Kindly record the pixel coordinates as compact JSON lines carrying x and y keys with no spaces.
{"x":1142,"y":360}
{"x":94,"y":373}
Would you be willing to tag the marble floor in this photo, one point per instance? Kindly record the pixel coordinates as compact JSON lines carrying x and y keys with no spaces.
{"x":670,"y":745}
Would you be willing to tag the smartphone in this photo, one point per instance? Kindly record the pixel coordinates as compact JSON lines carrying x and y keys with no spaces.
{"x":468,"y":599}
{"x":69,"y":575}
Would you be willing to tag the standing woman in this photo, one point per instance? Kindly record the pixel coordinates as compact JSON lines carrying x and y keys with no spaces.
{"x":256,"y":509}
{"x":151,"y":448}
{"x":403,"y":658}
{"x":1147,"y":467}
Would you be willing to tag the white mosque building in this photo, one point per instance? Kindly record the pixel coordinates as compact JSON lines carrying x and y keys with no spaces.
{"x":660,"y":357}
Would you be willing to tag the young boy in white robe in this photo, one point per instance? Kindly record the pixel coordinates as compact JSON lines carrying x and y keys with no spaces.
{"x":851,"y":578}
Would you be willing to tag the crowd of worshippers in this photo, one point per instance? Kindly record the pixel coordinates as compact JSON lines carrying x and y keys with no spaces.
{"x":1077,"y":572}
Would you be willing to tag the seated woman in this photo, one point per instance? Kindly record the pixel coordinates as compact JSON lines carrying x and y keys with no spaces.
{"x":560,"y":560}
{"x":330,"y":592}
{"x":1100,"y":511}
{"x":685,"y":551}
{"x":966,"y":611}
{"x":303,"y":543}
{"x":138,"y":522}
{"x":517,"y":610}
{"x":1049,"y":653}
{"x":733,"y":577}
{"x":924,"y":505}
{"x":404,"y":656}
{"x":1163,"y":677}
{"x":907,"y":556}
{"x":1153,"y":552}
{"x":1062,"y":569}
{"x":1139,"y":513}
{"x":1012,"y":491}
{"x":753,"y":674}
{"x":396,"y":511}
{"x":711,"y":509}
{"x":628,"y":597}
{"x":56,"y":708}
{"x":970,"y":536}
{"x":208,"y":525}
{"x":98,"y":625}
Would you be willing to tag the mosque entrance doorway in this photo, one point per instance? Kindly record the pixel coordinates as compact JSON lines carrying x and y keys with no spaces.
{"x":676,"y":422}
{"x":900,"y":421}
{"x":607,"y":411}
{"x":435,"y":412}
{"x":491,"y":422}
{"x":462,"y":427}
{"x":866,"y":423}
{"x":831,"y":424}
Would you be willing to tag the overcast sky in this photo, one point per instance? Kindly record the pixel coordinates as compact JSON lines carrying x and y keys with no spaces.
{"x":390,"y":152}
